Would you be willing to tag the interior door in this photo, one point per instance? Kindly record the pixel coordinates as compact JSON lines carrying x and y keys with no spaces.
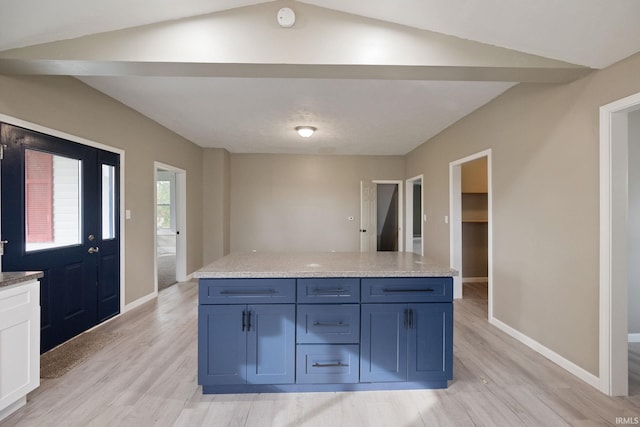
{"x":368,"y":216}
{"x":60,"y":212}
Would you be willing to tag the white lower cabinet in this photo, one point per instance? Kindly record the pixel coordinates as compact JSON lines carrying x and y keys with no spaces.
{"x":19,"y":344}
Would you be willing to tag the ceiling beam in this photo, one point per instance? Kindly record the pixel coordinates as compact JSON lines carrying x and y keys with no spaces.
{"x":308,"y":71}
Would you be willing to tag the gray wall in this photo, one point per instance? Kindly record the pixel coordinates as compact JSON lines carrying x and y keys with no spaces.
{"x":301,"y":203}
{"x":545,"y":142}
{"x":634,"y":222}
{"x":65,"y":104}
{"x":216,"y":175}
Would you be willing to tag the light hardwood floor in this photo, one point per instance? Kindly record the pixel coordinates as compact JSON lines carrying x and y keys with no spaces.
{"x":148,"y":377}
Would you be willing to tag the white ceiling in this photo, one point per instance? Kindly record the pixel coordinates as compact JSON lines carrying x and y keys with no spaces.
{"x":353,"y":116}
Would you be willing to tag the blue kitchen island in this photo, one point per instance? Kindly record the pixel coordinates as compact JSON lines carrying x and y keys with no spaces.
{"x":336,"y":321}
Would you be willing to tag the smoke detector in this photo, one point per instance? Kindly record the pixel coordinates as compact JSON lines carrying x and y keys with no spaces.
{"x":286,"y":17}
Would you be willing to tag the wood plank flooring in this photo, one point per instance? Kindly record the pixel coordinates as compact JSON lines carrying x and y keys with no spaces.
{"x":147,"y":377}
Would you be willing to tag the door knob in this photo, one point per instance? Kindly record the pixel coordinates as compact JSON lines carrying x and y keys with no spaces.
{"x":94,"y":250}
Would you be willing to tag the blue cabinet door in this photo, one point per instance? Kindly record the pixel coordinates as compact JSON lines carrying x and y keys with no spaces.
{"x":430,"y":335}
{"x":222,"y":345}
{"x":383,"y":343}
{"x":271,"y":344}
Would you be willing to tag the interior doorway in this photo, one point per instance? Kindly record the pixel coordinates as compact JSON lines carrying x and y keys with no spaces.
{"x":618,"y":144}
{"x":414,"y":235}
{"x":470,"y":223}
{"x":381,"y":211}
{"x":170,"y":221}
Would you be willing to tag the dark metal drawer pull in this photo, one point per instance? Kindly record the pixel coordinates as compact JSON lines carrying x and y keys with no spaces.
{"x":329,"y":291}
{"x":330,"y":365}
{"x":330,"y":324}
{"x":257,"y":293}
{"x":391,"y":290}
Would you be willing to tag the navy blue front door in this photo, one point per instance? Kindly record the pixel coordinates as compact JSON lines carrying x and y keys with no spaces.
{"x":60,"y":215}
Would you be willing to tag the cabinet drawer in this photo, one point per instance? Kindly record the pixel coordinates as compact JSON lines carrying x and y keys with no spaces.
{"x":323,"y":364}
{"x":332,"y":290}
{"x":407,"y":289}
{"x":328,"y":324}
{"x":247,"y":291}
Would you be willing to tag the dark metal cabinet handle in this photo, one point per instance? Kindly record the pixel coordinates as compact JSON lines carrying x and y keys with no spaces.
{"x":257,"y":293}
{"x":244,"y":314}
{"x":330,"y":365}
{"x":409,"y":322}
{"x":330,"y":324}
{"x":329,"y":291}
{"x":394,"y":290}
{"x":248,"y":320}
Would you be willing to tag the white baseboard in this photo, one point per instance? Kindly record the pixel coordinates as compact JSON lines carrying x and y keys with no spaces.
{"x":574,"y":369}
{"x":634,"y":337}
{"x":140,"y":301}
{"x":474,"y":279}
{"x":10,"y":409}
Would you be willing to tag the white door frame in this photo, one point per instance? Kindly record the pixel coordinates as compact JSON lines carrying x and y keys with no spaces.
{"x":409,"y":216}
{"x":63,"y":135}
{"x":614,"y":200}
{"x":400,"y":210}
{"x":181,"y":223}
{"x":455,"y":223}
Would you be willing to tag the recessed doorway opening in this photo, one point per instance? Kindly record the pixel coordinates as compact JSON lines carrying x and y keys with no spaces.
{"x":170,"y":213}
{"x":470,"y":214}
{"x":619,"y":241}
{"x":415,"y":216}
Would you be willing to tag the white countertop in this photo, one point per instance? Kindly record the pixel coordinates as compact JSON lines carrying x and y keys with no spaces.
{"x":323,"y":264}
{"x":10,"y":278}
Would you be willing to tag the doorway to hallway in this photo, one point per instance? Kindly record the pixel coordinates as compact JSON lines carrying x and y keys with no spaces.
{"x":170,"y":212}
{"x":619,"y":241}
{"x":414,"y":216}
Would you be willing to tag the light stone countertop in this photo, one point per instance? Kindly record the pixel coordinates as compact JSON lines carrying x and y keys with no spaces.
{"x":323,"y":264}
{"x":9,"y":278}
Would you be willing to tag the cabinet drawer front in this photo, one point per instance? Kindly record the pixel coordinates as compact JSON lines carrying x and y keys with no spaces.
{"x":328,"y":324}
{"x":407,"y":289}
{"x":247,"y":291}
{"x":332,"y":290}
{"x":326,"y":364}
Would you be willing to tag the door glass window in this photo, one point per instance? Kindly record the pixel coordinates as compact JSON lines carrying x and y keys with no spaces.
{"x":53,"y":199}
{"x":108,"y":202}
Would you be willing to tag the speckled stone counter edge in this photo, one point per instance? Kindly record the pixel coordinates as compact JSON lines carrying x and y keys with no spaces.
{"x":10,"y":278}
{"x":323,"y":264}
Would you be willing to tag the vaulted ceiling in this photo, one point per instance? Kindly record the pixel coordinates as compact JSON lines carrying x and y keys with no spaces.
{"x":375,"y":77}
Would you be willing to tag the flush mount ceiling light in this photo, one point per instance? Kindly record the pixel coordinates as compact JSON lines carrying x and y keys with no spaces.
{"x":305,"y":131}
